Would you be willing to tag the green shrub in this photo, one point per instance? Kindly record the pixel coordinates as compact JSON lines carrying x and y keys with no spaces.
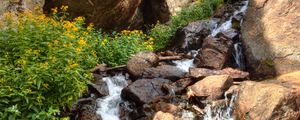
{"x":162,"y":33}
{"x":45,"y":62}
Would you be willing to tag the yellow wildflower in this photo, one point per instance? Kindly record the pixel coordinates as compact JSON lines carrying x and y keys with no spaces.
{"x":29,"y":90}
{"x":104,"y":41}
{"x":90,"y":27}
{"x":78,"y":50}
{"x":54,"y":10}
{"x":46,"y":85}
{"x":73,"y":66}
{"x":82,"y":42}
{"x":151,"y":39}
{"x":68,"y":25}
{"x":64,"y":8}
{"x":80,"y":18}
{"x":55,"y":42}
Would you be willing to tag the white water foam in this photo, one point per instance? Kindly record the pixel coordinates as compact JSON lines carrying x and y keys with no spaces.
{"x":238,"y":55}
{"x":109,"y":105}
{"x":222,"y":112}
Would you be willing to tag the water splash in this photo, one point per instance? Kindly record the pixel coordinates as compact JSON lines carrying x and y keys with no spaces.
{"x":221,"y":112}
{"x":239,"y":56}
{"x":184,"y":65}
{"x":109,"y":105}
{"x":187,"y":115}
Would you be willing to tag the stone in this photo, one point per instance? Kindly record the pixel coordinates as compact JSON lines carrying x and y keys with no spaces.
{"x":162,"y":10}
{"x":231,"y":34}
{"x":178,"y":87}
{"x":35,"y":6}
{"x":204,"y":72}
{"x":212,"y":87}
{"x":191,"y":36}
{"x":215,"y":53}
{"x":140,"y":61}
{"x":99,"y":87}
{"x":85,"y":109}
{"x":271,"y":51}
{"x":105,"y":14}
{"x":266,"y":101}
{"x":163,"y":116}
{"x":144,"y":90}
{"x":166,"y":107}
{"x":165,"y":71}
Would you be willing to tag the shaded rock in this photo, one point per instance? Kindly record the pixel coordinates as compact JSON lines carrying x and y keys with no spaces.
{"x":85,"y":109}
{"x":212,"y":87}
{"x":178,"y":87}
{"x":232,"y":90}
{"x":139,"y":62}
{"x":266,"y":101}
{"x":166,"y":71}
{"x":162,"y":10}
{"x":107,"y":14}
{"x":204,"y":72}
{"x":144,"y":90}
{"x":191,"y":36}
{"x":215,"y":53}
{"x":268,"y":49}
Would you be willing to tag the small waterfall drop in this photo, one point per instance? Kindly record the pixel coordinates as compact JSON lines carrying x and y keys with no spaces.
{"x":221,"y":112}
{"x":108,"y":106}
{"x":239,"y":56}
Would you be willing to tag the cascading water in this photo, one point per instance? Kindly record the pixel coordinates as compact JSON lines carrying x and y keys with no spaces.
{"x":108,"y":107}
{"x":239,"y":56}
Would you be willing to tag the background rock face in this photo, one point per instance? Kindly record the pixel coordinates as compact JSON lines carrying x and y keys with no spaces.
{"x":103,"y":13}
{"x":271,"y":36}
{"x":20,"y":5}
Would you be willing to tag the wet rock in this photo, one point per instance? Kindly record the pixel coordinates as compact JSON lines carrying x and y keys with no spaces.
{"x":85,"y":109}
{"x":271,"y":51}
{"x":144,"y":90}
{"x":212,"y":87}
{"x":231,"y":34}
{"x":191,"y":36}
{"x":215,"y":53}
{"x":140,"y":61}
{"x":99,"y":87}
{"x":266,"y":101}
{"x":164,"y":116}
{"x":107,"y":14}
{"x":166,"y":71}
{"x":204,"y":72}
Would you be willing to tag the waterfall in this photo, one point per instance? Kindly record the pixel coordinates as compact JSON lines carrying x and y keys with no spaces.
{"x":239,"y":56}
{"x":108,"y":107}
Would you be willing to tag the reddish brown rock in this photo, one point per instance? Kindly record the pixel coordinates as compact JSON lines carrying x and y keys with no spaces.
{"x":212,"y":87}
{"x":215,"y":53}
{"x":266,"y":101}
{"x":271,"y":37}
{"x":165,"y":71}
{"x":204,"y":72}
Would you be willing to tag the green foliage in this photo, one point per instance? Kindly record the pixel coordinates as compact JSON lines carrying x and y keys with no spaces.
{"x":45,"y":62}
{"x":162,"y":33}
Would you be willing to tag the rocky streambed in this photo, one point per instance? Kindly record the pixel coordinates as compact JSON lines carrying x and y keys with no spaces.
{"x":202,"y":75}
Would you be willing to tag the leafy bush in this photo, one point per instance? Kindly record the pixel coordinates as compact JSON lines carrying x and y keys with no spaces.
{"x":201,"y":10}
{"x":45,"y":62}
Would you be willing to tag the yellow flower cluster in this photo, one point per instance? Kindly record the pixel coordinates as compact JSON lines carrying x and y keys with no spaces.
{"x":138,"y":32}
{"x":104,"y":41}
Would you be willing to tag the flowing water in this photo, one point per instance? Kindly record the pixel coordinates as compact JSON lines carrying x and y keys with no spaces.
{"x":108,"y":107}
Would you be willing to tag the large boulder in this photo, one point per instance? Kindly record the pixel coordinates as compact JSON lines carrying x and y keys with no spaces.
{"x":107,"y":14}
{"x":215,"y":53}
{"x":85,"y":109}
{"x":266,"y":101}
{"x":34,"y":6}
{"x":144,"y":90}
{"x":141,"y":61}
{"x":165,"y":71}
{"x":212,"y":87}
{"x":292,"y":80}
{"x":271,"y":36}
